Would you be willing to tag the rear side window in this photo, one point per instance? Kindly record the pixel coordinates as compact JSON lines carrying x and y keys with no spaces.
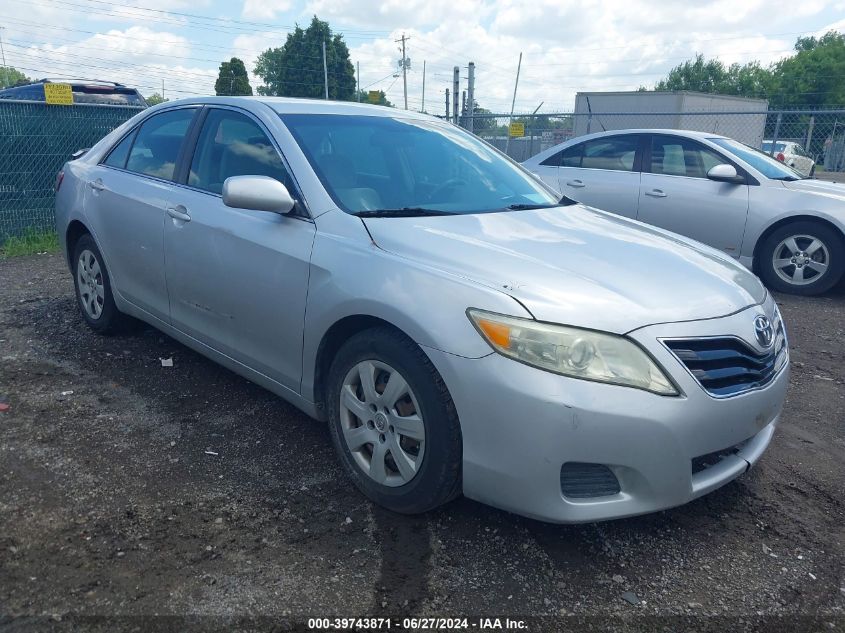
{"x":610,"y":152}
{"x":158,"y":142}
{"x":232,"y":144}
{"x":117,"y":157}
{"x":570,"y":157}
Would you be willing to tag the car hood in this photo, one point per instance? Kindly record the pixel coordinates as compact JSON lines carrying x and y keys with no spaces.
{"x":834,"y":190}
{"x":578,"y":266}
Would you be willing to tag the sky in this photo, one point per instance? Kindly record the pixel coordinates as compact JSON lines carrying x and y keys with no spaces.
{"x":567,"y":47}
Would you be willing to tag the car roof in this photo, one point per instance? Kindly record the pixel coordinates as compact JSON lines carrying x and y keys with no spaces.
{"x":673,"y":132}
{"x":289,"y":105}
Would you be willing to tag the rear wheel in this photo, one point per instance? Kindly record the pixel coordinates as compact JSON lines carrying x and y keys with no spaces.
{"x":393,"y":422}
{"x":805,"y":258}
{"x":93,"y":288}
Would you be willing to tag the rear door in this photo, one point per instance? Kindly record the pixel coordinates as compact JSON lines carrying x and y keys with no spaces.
{"x":238,"y":278}
{"x":675,"y":193}
{"x":126,"y":198}
{"x":604,"y":173}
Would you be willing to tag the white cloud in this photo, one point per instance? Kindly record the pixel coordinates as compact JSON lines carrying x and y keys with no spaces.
{"x":264,"y":9}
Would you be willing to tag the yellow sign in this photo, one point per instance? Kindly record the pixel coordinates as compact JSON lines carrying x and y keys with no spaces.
{"x":516,"y":129}
{"x":58,"y":94}
{"x":374,"y":96}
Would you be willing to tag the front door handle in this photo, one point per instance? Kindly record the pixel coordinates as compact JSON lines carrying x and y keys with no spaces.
{"x":575,"y":183}
{"x":96,"y":185}
{"x":656,"y":193}
{"x":179,"y":213}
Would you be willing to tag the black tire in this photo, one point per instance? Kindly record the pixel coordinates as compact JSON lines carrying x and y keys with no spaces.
{"x":438,"y":478}
{"x":835,"y":251}
{"x":109,"y":320}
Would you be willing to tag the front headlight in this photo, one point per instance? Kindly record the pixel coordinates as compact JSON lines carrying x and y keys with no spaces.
{"x":572,"y":351}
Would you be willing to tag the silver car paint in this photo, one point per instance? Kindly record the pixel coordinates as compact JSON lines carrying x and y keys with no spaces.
{"x":519,"y":424}
{"x":715,"y":215}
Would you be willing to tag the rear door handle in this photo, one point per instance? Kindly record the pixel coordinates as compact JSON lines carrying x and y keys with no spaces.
{"x":179,"y":213}
{"x":96,"y":185}
{"x":655,"y":193}
{"x":575,"y":183}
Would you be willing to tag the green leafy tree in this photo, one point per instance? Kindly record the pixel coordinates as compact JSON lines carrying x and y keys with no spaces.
{"x":813,"y":77}
{"x":155,"y":99}
{"x":364,"y":97}
{"x":296,"y":69}
{"x":12,"y":77}
{"x":232,"y":79}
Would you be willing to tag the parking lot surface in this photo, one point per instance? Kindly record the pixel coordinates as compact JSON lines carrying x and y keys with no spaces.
{"x":129,"y":488}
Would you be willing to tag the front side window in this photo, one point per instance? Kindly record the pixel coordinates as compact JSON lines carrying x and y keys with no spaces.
{"x":157,"y":144}
{"x":232,"y":144}
{"x":610,"y":152}
{"x":678,"y":156}
{"x":379,"y":162}
{"x":765,"y":164}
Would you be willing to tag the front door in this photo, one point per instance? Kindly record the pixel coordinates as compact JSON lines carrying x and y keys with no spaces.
{"x":238,"y":278}
{"x":675,"y":194}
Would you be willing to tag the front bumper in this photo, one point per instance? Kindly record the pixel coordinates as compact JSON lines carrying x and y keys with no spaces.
{"x":520,"y":425}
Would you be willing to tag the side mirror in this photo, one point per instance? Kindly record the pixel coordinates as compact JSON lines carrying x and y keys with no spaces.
{"x":725,"y":173}
{"x":257,"y":193}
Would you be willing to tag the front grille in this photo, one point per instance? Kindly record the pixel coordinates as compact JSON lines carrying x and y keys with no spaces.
{"x":582,"y":481}
{"x":727,"y":366}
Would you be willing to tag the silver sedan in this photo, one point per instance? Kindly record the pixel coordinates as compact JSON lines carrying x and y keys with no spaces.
{"x":788,"y":229}
{"x":460,"y":328}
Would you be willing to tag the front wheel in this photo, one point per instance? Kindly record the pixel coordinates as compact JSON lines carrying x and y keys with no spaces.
{"x":804,"y":258}
{"x":393,"y":423}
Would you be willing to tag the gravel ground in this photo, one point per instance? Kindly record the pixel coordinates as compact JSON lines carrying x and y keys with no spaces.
{"x":128,"y":489}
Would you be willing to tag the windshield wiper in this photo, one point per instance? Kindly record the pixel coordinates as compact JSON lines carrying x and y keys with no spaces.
{"x":403,"y":212}
{"x":526,"y":207}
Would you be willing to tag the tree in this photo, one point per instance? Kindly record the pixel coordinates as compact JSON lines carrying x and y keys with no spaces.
{"x":364,"y":97}
{"x":813,"y":76}
{"x":296,"y":69}
{"x":12,"y":77}
{"x":232,"y":79}
{"x":155,"y":99}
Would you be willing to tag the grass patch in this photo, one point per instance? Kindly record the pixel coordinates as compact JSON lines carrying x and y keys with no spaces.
{"x":30,"y":243}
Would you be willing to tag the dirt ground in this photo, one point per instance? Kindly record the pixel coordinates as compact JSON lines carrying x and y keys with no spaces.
{"x":130,"y":490}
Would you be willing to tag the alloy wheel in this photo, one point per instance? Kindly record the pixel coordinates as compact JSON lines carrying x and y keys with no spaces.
{"x":801,"y":259}
{"x":382,"y":423}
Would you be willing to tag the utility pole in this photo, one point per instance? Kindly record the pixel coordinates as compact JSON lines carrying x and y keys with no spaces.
{"x":456,"y":89}
{"x":403,"y":39}
{"x":513,"y":103}
{"x":422,"y":109}
{"x":358,"y":79}
{"x":447,"y":105}
{"x":470,"y":95}
{"x":162,"y":88}
{"x":463,"y":109}
{"x":2,"y":28}
{"x":325,"y":71}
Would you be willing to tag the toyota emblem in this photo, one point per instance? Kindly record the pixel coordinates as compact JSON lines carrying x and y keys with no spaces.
{"x":763,"y":331}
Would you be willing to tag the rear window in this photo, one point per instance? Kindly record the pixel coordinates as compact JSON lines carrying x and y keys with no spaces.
{"x":105,"y":95}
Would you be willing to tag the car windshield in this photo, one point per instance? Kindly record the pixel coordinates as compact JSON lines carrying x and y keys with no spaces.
{"x":779,"y":147}
{"x":407,"y":166}
{"x":765,"y":164}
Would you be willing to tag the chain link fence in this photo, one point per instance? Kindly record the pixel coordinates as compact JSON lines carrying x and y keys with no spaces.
{"x":36,"y":139}
{"x":820,"y":133}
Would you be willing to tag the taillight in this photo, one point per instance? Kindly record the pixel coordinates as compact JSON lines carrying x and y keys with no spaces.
{"x":780,"y":157}
{"x":59,"y":178}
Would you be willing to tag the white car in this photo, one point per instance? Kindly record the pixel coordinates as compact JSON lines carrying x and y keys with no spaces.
{"x":788,"y":229}
{"x":792,"y":154}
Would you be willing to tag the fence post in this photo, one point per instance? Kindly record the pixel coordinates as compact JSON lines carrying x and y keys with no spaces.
{"x":777,"y":131}
{"x":810,"y":133}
